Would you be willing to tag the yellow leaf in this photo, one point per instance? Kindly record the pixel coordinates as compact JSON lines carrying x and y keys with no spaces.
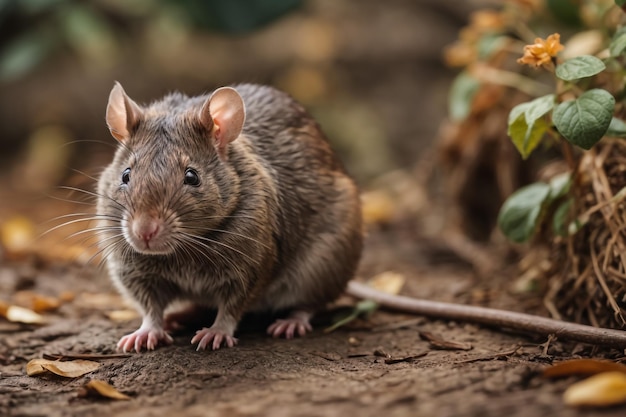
{"x":17,"y":236}
{"x":4,"y":308}
{"x":389,"y":282}
{"x":608,"y":388}
{"x":582,"y":367}
{"x":99,"y":301}
{"x":37,"y":302}
{"x":18,"y":314}
{"x":377,"y":207}
{"x":106,"y":390}
{"x":68,"y":369}
{"x":123,"y":315}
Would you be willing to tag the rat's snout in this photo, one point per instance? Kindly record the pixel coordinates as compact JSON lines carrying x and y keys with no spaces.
{"x":146,"y":232}
{"x":146,"y":229}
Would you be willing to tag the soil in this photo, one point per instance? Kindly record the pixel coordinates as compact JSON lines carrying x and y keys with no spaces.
{"x":374,"y":366}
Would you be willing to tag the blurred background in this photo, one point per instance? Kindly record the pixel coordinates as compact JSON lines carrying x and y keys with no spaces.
{"x":371,"y":72}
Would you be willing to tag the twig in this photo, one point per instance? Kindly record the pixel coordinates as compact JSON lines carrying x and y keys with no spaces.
{"x":497,"y":355}
{"x":72,"y":356}
{"x":493,"y":317}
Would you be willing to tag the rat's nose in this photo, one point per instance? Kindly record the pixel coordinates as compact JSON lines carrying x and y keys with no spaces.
{"x":146,"y":229}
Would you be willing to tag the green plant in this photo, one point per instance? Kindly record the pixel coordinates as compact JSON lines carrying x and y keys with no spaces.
{"x":572,"y":101}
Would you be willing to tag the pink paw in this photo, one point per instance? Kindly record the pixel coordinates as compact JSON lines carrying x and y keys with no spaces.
{"x":148,"y":338}
{"x":213,"y":337}
{"x":290,"y":326}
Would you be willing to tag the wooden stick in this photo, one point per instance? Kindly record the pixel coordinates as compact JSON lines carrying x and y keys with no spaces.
{"x":492,"y":317}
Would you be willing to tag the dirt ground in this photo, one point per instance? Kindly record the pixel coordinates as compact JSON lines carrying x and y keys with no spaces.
{"x":347,"y":372}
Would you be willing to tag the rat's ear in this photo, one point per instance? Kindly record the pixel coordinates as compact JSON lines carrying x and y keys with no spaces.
{"x":224,"y":113}
{"x":123,"y":114}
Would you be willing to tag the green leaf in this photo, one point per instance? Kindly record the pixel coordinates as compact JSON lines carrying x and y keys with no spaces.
{"x":559,"y":186}
{"x":461,"y":95}
{"x":618,"y":44}
{"x":363,"y":307}
{"x":560,"y":217}
{"x":521,"y":212}
{"x":580,"y":67}
{"x":620,"y":3}
{"x":585,"y":120}
{"x":617,"y":128}
{"x":526,"y":125}
{"x":539,"y":107}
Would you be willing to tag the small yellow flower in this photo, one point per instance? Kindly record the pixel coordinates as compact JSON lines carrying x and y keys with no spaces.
{"x":542,"y":51}
{"x":459,"y":54}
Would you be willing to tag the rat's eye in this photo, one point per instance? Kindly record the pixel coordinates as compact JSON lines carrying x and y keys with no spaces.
{"x":126,"y":176}
{"x":191,"y":177}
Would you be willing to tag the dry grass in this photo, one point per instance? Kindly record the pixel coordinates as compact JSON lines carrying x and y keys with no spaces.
{"x":587,"y":275}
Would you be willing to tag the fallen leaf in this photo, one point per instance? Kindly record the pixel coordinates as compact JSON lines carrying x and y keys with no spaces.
{"x":377,"y":207}
{"x":36,"y":302}
{"x":437,"y":342}
{"x":122,"y":315}
{"x":18,"y":314}
{"x":605,"y":389}
{"x":17,"y":236}
{"x":388,"y":282}
{"x":4,"y":308}
{"x":106,"y":390}
{"x":99,"y":301}
{"x":582,"y":367}
{"x":68,"y":369}
{"x":67,"y":296}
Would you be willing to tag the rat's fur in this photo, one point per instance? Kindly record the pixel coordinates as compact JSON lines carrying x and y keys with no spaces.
{"x":274,"y":224}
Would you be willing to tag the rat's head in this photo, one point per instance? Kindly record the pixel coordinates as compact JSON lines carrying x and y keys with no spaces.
{"x":170,"y":181}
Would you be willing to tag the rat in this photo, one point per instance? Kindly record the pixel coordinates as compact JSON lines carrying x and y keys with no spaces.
{"x":232,"y":200}
{"x":235,"y":200}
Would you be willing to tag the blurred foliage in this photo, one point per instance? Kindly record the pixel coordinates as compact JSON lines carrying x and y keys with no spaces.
{"x":33,"y":30}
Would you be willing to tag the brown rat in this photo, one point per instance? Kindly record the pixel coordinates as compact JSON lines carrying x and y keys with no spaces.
{"x":233,"y":200}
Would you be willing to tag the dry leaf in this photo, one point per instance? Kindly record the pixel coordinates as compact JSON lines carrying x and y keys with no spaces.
{"x":582,"y":367}
{"x":123,"y":315}
{"x":605,"y":389}
{"x":4,"y":308}
{"x":100,"y":301}
{"x":18,"y":314}
{"x":377,"y":207}
{"x":105,"y":390}
{"x":68,"y":369}
{"x":17,"y":236}
{"x":36,"y":302}
{"x":388,"y":282}
{"x":67,"y":296}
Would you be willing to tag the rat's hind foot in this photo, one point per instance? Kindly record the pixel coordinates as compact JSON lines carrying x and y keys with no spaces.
{"x":213,"y":337}
{"x":148,"y":337}
{"x":297,"y":322}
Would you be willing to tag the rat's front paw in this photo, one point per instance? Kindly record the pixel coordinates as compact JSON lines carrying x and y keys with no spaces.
{"x":144,"y":337}
{"x":297,"y":322}
{"x":214,"y":337}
